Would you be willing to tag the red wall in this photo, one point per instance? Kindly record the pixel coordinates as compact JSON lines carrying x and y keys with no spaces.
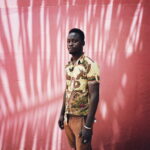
{"x":32,"y":57}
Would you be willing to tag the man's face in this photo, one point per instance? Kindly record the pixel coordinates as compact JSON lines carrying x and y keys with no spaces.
{"x":74,"y":43}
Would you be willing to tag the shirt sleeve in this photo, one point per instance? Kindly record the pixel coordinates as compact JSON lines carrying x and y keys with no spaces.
{"x":93,"y":72}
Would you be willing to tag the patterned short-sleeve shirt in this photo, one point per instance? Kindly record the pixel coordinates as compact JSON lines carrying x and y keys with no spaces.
{"x":78,"y":76}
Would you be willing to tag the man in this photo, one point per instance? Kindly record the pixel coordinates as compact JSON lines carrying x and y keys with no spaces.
{"x":81,"y":95}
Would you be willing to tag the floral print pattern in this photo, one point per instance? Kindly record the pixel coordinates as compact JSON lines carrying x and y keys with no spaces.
{"x":78,"y":76}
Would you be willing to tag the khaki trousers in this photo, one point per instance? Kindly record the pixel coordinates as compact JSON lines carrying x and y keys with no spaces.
{"x":72,"y":127}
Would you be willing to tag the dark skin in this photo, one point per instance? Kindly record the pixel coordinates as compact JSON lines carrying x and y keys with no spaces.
{"x":75,"y":48}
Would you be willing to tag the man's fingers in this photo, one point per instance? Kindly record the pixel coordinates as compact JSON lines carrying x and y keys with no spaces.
{"x":62,"y":126}
{"x":80,"y":134}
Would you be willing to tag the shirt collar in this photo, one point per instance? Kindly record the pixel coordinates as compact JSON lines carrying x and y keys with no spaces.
{"x":79,"y":60}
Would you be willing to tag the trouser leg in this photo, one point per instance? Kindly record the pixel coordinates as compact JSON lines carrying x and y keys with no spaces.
{"x":70,"y":135}
{"x":76,"y":124}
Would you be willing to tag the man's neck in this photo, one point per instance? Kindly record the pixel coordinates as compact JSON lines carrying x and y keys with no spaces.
{"x":76,"y":56}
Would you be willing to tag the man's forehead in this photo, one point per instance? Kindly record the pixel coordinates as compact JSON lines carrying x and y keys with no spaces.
{"x":73,"y":35}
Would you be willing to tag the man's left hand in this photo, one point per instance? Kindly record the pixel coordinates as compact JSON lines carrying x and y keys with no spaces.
{"x":86,"y":135}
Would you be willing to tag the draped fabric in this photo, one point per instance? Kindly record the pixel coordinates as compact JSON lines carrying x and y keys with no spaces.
{"x":33,"y":54}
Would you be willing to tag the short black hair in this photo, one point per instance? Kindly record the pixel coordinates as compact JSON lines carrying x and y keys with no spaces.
{"x":80,"y":32}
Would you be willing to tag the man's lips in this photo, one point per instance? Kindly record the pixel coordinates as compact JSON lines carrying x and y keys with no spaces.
{"x":70,"y":49}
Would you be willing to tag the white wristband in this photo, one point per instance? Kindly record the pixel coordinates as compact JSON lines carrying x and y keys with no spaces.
{"x":87,"y":127}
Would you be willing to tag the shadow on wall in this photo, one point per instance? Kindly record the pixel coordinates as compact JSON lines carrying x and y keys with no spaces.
{"x":124,"y":122}
{"x":32,"y":58}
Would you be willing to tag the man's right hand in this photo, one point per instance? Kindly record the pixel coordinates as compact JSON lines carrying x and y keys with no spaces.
{"x":61,"y":122}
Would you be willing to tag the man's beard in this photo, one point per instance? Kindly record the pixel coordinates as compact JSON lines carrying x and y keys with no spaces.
{"x":73,"y":53}
{"x":76,"y":52}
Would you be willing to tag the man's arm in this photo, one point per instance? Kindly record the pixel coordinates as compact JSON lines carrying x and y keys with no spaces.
{"x":86,"y":132}
{"x":61,"y":118}
{"x":94,"y":99}
{"x":63,"y":105}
